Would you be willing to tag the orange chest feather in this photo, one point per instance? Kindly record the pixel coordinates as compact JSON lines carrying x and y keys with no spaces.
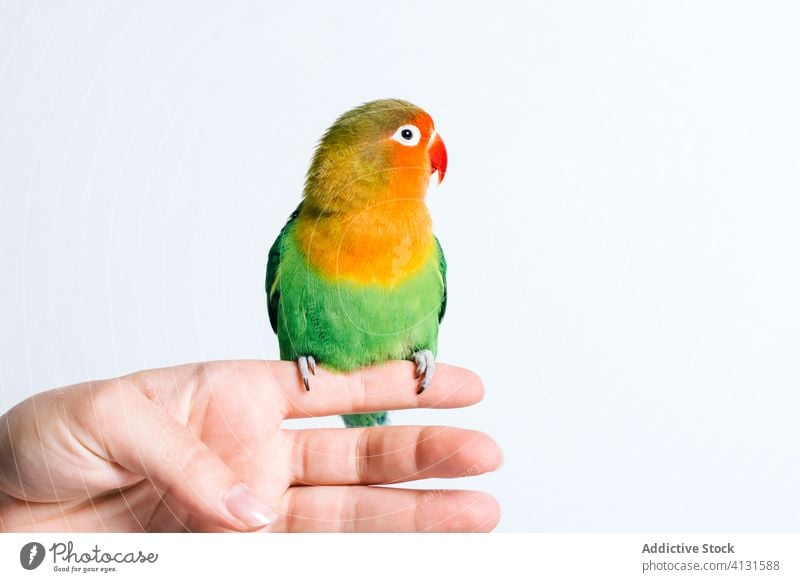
{"x":383,"y":244}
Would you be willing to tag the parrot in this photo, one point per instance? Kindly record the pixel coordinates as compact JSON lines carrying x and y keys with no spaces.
{"x":356,"y":277}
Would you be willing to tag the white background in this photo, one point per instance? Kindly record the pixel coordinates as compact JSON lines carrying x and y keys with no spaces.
{"x":620,"y":217}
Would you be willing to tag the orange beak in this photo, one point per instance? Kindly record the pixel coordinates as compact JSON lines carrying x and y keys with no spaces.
{"x":438,"y":156}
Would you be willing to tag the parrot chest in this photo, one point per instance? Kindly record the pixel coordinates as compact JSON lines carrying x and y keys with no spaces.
{"x":382,"y":245}
{"x":346,"y":324}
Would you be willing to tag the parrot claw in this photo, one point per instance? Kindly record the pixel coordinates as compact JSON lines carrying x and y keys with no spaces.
{"x":426,"y":366}
{"x":306,"y":363}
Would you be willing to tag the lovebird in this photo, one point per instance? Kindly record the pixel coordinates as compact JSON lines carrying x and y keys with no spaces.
{"x":357,"y":277}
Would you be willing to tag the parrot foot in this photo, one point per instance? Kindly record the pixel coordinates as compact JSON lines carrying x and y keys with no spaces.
{"x":426,"y":366}
{"x":306,"y":363}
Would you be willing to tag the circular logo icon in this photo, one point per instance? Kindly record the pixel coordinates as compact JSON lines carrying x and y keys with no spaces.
{"x":31,"y":555}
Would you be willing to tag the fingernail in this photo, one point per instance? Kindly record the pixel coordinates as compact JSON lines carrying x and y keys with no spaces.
{"x":244,"y":506}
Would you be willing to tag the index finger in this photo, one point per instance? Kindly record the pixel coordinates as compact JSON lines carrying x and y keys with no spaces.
{"x":391,"y":386}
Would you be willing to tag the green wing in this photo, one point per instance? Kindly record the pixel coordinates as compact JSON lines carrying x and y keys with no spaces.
{"x":443,"y":273}
{"x":272,"y":284}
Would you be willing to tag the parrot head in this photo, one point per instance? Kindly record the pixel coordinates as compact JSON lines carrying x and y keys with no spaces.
{"x":380,"y":150}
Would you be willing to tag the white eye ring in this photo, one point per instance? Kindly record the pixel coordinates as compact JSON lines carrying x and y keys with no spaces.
{"x":408,"y":135}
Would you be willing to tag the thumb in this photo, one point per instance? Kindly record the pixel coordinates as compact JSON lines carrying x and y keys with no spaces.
{"x":145,"y":439}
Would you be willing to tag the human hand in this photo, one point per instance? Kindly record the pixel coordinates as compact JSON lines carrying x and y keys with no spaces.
{"x":199,"y":447}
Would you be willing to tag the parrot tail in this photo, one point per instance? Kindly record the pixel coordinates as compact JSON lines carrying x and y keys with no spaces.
{"x":367,"y":419}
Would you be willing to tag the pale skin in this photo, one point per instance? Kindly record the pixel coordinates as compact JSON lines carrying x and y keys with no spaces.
{"x":199,"y":447}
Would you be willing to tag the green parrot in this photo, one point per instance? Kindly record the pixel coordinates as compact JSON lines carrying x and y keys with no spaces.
{"x":357,"y":277}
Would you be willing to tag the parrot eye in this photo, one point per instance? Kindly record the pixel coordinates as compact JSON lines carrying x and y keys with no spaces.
{"x":408,"y":135}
